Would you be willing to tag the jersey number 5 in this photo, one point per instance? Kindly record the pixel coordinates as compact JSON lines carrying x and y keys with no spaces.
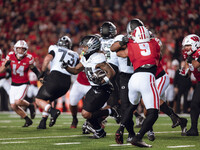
{"x":145,"y":49}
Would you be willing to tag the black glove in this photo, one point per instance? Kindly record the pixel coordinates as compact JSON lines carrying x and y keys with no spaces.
{"x":7,"y":63}
{"x":189,"y":59}
{"x":124,"y":41}
{"x":96,"y":80}
{"x":64,"y":65}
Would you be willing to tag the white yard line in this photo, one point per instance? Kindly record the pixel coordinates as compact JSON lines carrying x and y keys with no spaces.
{"x":67,"y":143}
{"x":120,"y":144}
{"x":180,"y":146}
{"x":13,"y":142}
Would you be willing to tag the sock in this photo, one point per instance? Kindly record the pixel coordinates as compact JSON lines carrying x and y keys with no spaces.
{"x":152,"y":116}
{"x":128,"y":113}
{"x":27,"y":119}
{"x":194,"y":114}
{"x":94,"y":123}
{"x":164,"y":108}
{"x":129,"y":127}
{"x":100,"y":113}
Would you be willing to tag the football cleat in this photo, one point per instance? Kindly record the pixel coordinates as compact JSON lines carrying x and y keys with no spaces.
{"x":74,"y":123}
{"x":32,"y":111}
{"x":139,"y":143}
{"x":119,"y":137}
{"x":130,"y":138}
{"x":54,"y":116}
{"x":139,"y":121}
{"x":99,"y":134}
{"x":28,"y":123}
{"x":42,"y":124}
{"x":175,"y":120}
{"x":192,"y":132}
{"x":88,"y":127}
{"x":116,"y":114}
{"x":183,"y":125}
{"x":150,"y":135}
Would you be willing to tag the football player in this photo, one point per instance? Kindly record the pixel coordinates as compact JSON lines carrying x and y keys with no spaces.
{"x":126,"y":70}
{"x":108,"y":31}
{"x":144,"y":54}
{"x":20,"y":62}
{"x":191,"y":48}
{"x":58,"y":82}
{"x":91,"y":62}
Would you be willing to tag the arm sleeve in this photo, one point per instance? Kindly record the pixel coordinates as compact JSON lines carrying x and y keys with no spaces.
{"x":52,"y":53}
{"x":35,"y":70}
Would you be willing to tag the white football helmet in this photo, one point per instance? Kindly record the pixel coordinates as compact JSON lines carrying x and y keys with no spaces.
{"x":192,"y":40}
{"x":140,"y":34}
{"x":23,"y":44}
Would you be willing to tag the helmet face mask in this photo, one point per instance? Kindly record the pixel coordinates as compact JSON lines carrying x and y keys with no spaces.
{"x":191,"y":43}
{"x":140,"y":34}
{"x":20,"y":48}
{"x":132,"y":25}
{"x":108,"y":30}
{"x":90,"y":44}
{"x":65,"y":41}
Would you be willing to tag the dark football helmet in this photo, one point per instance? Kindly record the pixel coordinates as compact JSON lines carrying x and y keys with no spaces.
{"x":133,"y":24}
{"x":65,"y":41}
{"x":92,"y":42}
{"x":108,"y":30}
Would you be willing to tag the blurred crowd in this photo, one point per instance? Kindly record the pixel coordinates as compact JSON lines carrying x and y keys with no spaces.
{"x":41,"y":23}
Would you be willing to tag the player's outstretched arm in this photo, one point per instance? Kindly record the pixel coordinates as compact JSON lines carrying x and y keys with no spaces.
{"x":123,"y":53}
{"x":73,"y":70}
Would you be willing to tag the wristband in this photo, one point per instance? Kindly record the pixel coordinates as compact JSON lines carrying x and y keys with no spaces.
{"x":106,"y":79}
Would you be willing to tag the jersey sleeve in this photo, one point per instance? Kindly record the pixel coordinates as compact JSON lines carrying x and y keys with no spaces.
{"x":31,"y":59}
{"x":99,"y":58}
{"x":118,"y":38}
{"x":9,"y":55}
{"x":51,"y":48}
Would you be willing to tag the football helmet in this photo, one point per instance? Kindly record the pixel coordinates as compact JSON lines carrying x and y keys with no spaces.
{"x":132,"y":25}
{"x":22,"y":44}
{"x":65,"y":41}
{"x":192,"y":40}
{"x":108,"y":30}
{"x":140,"y":34}
{"x":92,"y":43}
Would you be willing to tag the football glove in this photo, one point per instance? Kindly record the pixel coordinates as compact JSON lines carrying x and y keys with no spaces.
{"x":189,"y":59}
{"x":124,"y":41}
{"x":64,"y":65}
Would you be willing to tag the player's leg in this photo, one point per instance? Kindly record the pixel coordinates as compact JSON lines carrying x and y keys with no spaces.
{"x":77,"y":92}
{"x":17,"y":93}
{"x":194,"y":113}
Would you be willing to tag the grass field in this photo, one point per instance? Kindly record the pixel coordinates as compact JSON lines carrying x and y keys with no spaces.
{"x":61,"y":137}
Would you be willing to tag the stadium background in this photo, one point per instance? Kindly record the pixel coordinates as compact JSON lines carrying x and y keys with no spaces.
{"x":41,"y":23}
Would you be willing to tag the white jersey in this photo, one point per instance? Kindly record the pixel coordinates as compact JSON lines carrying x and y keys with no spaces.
{"x":90,"y":64}
{"x":124,"y":64}
{"x":62,"y":54}
{"x":105,"y":47}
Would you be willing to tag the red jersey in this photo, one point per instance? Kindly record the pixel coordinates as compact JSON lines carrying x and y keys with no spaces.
{"x":2,"y":75}
{"x":143,"y":53}
{"x":19,"y":68}
{"x":82,"y":79}
{"x":196,"y":71}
